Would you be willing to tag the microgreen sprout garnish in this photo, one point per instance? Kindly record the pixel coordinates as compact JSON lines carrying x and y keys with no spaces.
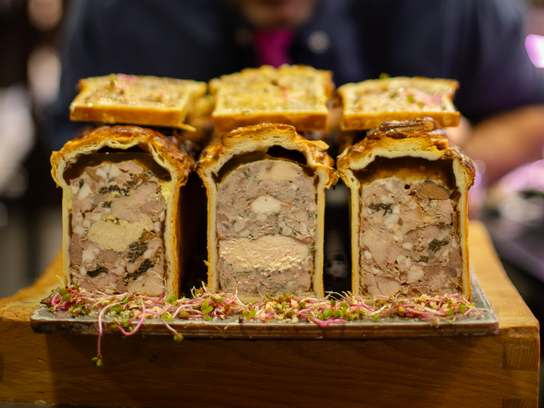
{"x":128,"y":312}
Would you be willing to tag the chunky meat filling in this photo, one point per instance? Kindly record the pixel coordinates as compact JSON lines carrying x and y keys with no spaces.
{"x":408,"y":242}
{"x":116,"y":242}
{"x":266,"y":225}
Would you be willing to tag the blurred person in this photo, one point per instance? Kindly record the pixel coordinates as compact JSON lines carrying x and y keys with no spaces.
{"x":479,"y":43}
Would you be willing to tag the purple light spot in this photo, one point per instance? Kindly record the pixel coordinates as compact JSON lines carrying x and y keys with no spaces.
{"x":534,"y":44}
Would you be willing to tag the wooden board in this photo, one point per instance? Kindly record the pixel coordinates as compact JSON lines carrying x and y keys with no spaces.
{"x":485,"y":324}
{"x":140,"y":371}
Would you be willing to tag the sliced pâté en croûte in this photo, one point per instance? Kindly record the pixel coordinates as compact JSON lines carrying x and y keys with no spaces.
{"x":121,"y":219}
{"x":409,"y":221}
{"x":266,"y":201}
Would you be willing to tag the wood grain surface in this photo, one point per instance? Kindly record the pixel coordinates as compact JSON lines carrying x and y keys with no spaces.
{"x":499,"y":371}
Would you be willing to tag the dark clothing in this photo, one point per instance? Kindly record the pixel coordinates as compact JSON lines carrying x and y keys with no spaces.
{"x":479,"y":43}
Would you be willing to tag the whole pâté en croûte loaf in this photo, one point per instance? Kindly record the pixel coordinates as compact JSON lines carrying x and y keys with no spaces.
{"x":121,"y":219}
{"x":409,"y":220}
{"x":266,"y":201}
{"x":136,"y":100}
{"x":295,"y":95}
{"x":365,"y":105}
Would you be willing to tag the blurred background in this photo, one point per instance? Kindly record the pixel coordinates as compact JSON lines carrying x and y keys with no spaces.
{"x":30,"y":204}
{"x":30,"y":218}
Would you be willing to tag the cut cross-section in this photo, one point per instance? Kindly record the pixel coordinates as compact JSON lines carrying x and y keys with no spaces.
{"x":408,"y":241}
{"x":266,"y":226}
{"x":116,"y":237}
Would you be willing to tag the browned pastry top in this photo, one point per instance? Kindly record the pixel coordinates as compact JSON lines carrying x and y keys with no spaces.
{"x":261,"y":137}
{"x":421,"y":135}
{"x":294,"y":94}
{"x":124,"y":137}
{"x":367,"y":104}
{"x":137,"y":100}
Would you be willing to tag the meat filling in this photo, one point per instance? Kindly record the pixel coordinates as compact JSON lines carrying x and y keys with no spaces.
{"x":266,"y":225}
{"x":408,"y":242}
{"x":116,"y":242}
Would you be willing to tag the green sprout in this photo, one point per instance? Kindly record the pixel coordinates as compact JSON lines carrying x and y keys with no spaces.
{"x":98,"y":361}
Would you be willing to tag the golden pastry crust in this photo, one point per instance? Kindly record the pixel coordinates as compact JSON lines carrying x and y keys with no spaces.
{"x":365,"y":105}
{"x":138,"y":100}
{"x":296,"y":95}
{"x":164,"y":153}
{"x":259,"y":138}
{"x":200,"y":118}
{"x":396,"y":140}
